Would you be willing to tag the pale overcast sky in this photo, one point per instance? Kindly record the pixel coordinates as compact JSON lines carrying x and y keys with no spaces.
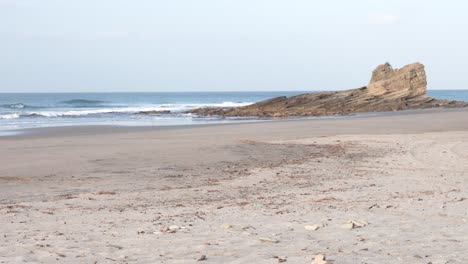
{"x":226,"y":45}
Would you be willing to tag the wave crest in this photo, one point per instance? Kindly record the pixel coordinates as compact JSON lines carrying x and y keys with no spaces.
{"x":17,"y":106}
{"x":10,"y":116}
{"x":172,"y":108}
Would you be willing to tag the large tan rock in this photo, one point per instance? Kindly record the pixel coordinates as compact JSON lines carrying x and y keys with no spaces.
{"x":408,"y":81}
{"x":389,"y":90}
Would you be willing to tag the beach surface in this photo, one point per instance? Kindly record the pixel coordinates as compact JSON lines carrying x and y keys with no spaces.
{"x":373,"y":189}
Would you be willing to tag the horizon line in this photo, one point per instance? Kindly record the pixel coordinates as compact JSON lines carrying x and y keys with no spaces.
{"x":258,"y":91}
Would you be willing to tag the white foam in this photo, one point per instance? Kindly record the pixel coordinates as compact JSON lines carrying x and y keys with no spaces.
{"x":9,"y":116}
{"x":19,"y":105}
{"x":175,"y":108}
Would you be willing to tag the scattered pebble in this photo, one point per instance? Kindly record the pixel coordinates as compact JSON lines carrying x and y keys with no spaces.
{"x":320,"y":259}
{"x":105,"y":193}
{"x":202,"y":258}
{"x":269,"y":240}
{"x":174,"y":227}
{"x":236,"y":228}
{"x":281,"y":259}
{"x":170,"y":229}
{"x":226,"y":226}
{"x":311,"y":227}
{"x":353,"y":224}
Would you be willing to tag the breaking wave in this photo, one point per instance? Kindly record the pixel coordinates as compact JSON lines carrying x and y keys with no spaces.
{"x":9,"y":116}
{"x":173,"y":108}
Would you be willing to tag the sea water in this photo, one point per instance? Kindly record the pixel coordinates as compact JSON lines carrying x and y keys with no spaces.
{"x":30,"y":110}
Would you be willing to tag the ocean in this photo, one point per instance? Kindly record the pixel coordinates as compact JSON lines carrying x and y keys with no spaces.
{"x":31,"y":110}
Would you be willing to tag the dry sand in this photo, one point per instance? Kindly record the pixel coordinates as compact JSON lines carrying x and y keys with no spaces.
{"x":278,"y":192}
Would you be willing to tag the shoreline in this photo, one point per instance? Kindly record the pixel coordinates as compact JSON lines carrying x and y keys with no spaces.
{"x":102,"y":129}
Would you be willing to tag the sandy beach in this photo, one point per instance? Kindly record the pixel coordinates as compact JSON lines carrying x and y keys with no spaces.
{"x":376,"y":189}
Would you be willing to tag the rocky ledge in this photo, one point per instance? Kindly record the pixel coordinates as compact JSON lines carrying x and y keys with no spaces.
{"x":389,"y":90}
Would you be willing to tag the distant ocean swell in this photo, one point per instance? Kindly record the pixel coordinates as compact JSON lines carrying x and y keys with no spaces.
{"x":78,"y":103}
{"x":94,"y":110}
{"x":82,"y":102}
{"x":16,"y":106}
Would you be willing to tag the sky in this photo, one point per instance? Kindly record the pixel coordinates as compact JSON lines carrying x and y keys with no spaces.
{"x":226,"y":45}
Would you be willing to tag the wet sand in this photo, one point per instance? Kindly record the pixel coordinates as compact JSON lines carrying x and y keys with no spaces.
{"x":240,"y":193}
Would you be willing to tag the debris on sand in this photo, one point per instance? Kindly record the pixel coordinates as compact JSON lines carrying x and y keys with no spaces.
{"x":268,"y":240}
{"x":105,"y":193}
{"x":236,"y":228}
{"x":353,"y":224}
{"x":320,"y":259}
{"x":281,"y":259}
{"x":226,"y":226}
{"x":311,"y":227}
{"x":170,"y":229}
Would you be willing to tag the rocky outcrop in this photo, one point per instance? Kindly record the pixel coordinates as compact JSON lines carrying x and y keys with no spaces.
{"x":389,"y":90}
{"x":409,"y":81}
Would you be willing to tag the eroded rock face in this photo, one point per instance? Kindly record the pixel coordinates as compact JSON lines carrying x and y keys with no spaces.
{"x":389,"y":90}
{"x":408,"y":81}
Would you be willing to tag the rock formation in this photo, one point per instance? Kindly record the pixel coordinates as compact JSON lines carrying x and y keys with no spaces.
{"x":389,"y":90}
{"x":410,"y":81}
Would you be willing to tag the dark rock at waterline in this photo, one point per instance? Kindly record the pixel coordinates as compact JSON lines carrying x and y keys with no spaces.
{"x":154,"y":112}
